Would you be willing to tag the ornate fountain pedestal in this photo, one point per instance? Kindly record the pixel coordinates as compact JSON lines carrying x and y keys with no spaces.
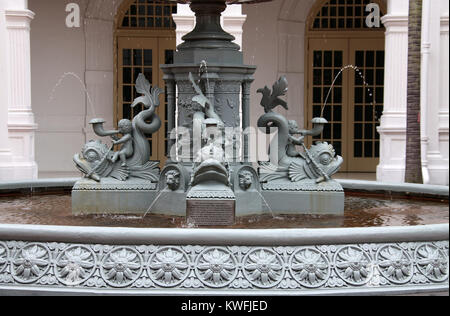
{"x":209,"y":176}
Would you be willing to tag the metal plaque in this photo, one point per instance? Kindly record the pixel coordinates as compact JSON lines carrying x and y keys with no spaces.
{"x":211,"y":212}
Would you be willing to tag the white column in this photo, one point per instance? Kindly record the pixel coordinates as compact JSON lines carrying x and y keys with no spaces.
{"x":424,"y":87}
{"x":393,"y":122}
{"x":433,"y":160}
{"x":232,"y":21}
{"x":443,"y":79}
{"x":21,"y":125}
{"x":185,"y":21}
{"x":6,"y":167}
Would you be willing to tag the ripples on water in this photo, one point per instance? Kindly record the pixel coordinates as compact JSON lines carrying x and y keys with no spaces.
{"x":359,"y":212}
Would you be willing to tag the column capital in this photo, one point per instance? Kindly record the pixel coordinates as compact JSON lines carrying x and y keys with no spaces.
{"x":18,"y":19}
{"x":395,"y":23}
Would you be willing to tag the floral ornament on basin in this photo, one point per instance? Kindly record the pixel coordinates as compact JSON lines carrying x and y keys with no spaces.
{"x":121,"y":267}
{"x":353,"y":265}
{"x":395,"y":264}
{"x":168,"y":267}
{"x":263,"y":268}
{"x":432,"y":262}
{"x":3,"y":257}
{"x":30,"y":263}
{"x":216,"y":267}
{"x":310,"y":267}
{"x":75,"y":265}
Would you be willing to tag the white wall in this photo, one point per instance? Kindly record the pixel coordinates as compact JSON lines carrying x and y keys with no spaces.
{"x":274,"y":40}
{"x":58,"y":101}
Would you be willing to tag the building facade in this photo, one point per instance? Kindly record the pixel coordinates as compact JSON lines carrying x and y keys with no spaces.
{"x":63,"y":63}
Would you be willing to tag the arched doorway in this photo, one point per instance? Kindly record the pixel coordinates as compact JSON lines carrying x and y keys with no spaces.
{"x":144,"y":39}
{"x":337,"y":36}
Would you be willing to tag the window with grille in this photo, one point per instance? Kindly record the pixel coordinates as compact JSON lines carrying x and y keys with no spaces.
{"x":145,"y":38}
{"x":346,"y":80}
{"x":343,"y":15}
{"x":150,"y":14}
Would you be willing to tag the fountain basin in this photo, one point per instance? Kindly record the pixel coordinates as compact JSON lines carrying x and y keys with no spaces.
{"x":331,"y":261}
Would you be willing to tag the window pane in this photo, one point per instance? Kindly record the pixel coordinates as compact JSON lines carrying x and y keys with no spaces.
{"x":337,"y":98}
{"x":358,"y":131}
{"x":126,"y":111}
{"x":127,"y":57}
{"x":370,"y":59}
{"x":137,"y":57}
{"x":317,"y":95}
{"x":168,"y":56}
{"x":337,"y":131}
{"x":380,"y":58}
{"x":327,"y":132}
{"x":360,"y":59}
{"x":337,"y":113}
{"x":358,"y":113}
{"x":368,"y":113}
{"x":317,"y":59}
{"x":368,"y":131}
{"x":358,"y":149}
{"x":317,"y":77}
{"x":327,"y":77}
{"x":328,"y":59}
{"x":148,"y":57}
{"x":368,"y":149}
{"x":126,"y":93}
{"x":127,"y":75}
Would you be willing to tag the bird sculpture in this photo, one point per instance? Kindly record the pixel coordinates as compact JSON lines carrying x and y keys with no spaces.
{"x":271,"y":98}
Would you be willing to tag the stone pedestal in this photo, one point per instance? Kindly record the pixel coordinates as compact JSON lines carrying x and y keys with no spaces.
{"x":307,"y":197}
{"x":111,"y":196}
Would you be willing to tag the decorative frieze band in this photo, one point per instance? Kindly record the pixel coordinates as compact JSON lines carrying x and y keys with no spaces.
{"x":319,"y":267}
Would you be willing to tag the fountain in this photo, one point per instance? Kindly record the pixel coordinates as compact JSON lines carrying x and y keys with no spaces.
{"x":211,"y":180}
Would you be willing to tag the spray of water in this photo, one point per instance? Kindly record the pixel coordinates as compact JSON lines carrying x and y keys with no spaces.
{"x":74,"y":75}
{"x":267,"y":204}
{"x":154,"y":202}
{"x":358,"y":71}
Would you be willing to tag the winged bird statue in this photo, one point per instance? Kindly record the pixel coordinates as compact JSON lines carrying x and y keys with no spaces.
{"x":271,"y":99}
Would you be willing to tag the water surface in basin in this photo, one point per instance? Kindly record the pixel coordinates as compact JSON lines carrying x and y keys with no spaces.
{"x":360,"y":211}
